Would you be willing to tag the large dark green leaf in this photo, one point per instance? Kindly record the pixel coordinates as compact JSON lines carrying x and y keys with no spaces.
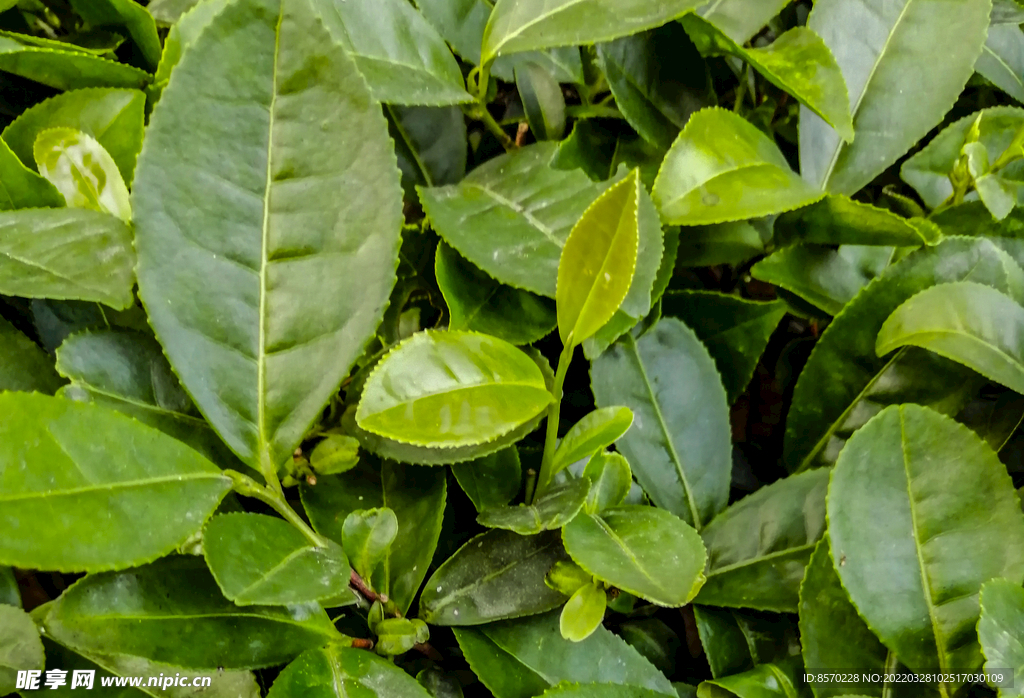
{"x":401,"y":56}
{"x":66,"y":253}
{"x":1001,"y":630}
{"x":430,"y":143}
{"x":416,"y":495}
{"x":935,"y":497}
{"x":724,"y":644}
{"x":735,"y":331}
{"x":491,"y":481}
{"x":20,"y":646}
{"x":9,"y":593}
{"x":84,"y":459}
{"x":451,"y":389}
{"x":225,"y":298}
{"x":904,"y":64}
{"x":23,"y":364}
{"x":58,"y":65}
{"x":724,"y":243}
{"x":678,"y":445}
{"x":838,"y":220}
{"x":498,"y":670}
{"x":340,"y":672}
{"x":20,"y":187}
{"x":172,"y":611}
{"x":528,"y":209}
{"x":542,"y":101}
{"x":496,"y":575}
{"x":844,"y":382}
{"x":1002,"y":59}
{"x":764,"y":571}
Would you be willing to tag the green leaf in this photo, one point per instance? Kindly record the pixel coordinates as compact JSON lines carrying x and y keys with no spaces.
{"x":416,"y":495}
{"x":781,"y":680}
{"x":824,"y":277}
{"x":723,"y":641}
{"x":335,"y":455}
{"x":724,"y":243}
{"x":904,"y":65}
{"x":60,"y":66}
{"x":597,"y":430}
{"x":567,"y":577}
{"x":610,"y":478}
{"x":9,"y":593}
{"x":182,"y":35}
{"x":679,"y":445}
{"x":262,"y":560}
{"x":740,"y":20}
{"x":603,"y":690}
{"x":535,"y":643}
{"x":124,"y":13}
{"x":658,"y":79}
{"x":1007,"y":12}
{"x":1001,"y":630}
{"x":20,"y":187}
{"x":555,"y":508}
{"x":844,"y":382}
{"x":84,"y":173}
{"x":172,"y":611}
{"x":764,"y":571}
{"x":66,"y":253}
{"x":397,"y":636}
{"x":401,"y":56}
{"x":127,"y":371}
{"x":527,"y":25}
{"x":583,"y":612}
{"x":421,"y":392}
{"x":646,"y":551}
{"x":598,"y":261}
{"x":735,"y":331}
{"x":367,"y":535}
{"x":170,"y":11}
{"x":722,"y":168}
{"x":440,"y":684}
{"x":23,"y":364}
{"x":1002,"y":59}
{"x":113,"y":117}
{"x":968,"y":322}
{"x":997,"y":193}
{"x":826,"y":613}
{"x":890,"y":490}
{"x":655,"y":640}
{"x":430,"y":143}
{"x":498,"y":670}
{"x":542,"y":100}
{"x":797,"y":62}
{"x":478,"y":303}
{"x":338,"y":672}
{"x":20,"y":646}
{"x":86,"y":459}
{"x":496,"y":575}
{"x":599,"y":149}
{"x":839,"y":220}
{"x":262,"y":378}
{"x":528,"y":209}
{"x":491,"y":481}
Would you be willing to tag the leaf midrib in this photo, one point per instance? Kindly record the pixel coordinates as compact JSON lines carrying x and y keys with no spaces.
{"x":750,"y":561}
{"x":113,"y":486}
{"x":463,"y":591}
{"x":628,"y":553}
{"x":519,"y":210}
{"x":728,"y":171}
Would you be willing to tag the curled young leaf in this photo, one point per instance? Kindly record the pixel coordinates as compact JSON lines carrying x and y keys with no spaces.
{"x":367,"y":536}
{"x":583,"y":612}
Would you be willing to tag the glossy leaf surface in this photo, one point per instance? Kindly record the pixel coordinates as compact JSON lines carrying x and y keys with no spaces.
{"x":583,"y":612}
{"x":339,"y":672}
{"x":555,"y":508}
{"x":610,"y":481}
{"x":81,"y":462}
{"x":83,"y":171}
{"x":1001,"y":629}
{"x":56,"y":65}
{"x":224,"y":299}
{"x":430,"y":143}
{"x":491,"y":481}
{"x":599,"y":429}
{"x":23,"y":364}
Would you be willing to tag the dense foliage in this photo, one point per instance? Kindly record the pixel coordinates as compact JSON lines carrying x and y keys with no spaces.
{"x":562,"y":348}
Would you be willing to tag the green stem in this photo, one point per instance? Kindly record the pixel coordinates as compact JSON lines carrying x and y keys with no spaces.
{"x":247,"y":487}
{"x":551,"y":436}
{"x":741,"y":90}
{"x":586,"y":111}
{"x":480,"y":113}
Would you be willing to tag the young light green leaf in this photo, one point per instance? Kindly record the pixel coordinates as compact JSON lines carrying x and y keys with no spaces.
{"x":583,"y":612}
{"x":82,"y":171}
{"x":764,"y":571}
{"x":20,"y":646}
{"x":567,"y":577}
{"x":797,"y":62}
{"x":542,"y":100}
{"x":904,"y":67}
{"x":338,"y":672}
{"x":401,"y":56}
{"x":496,"y":575}
{"x":22,"y":188}
{"x":334,"y":455}
{"x":450,"y":389}
{"x":646,"y":551}
{"x":1002,"y":59}
{"x":599,"y":429}
{"x":83,"y":459}
{"x":942,"y":543}
{"x":997,"y":193}
{"x":611,"y":480}
{"x":967,"y":322}
{"x":528,"y":25}
{"x":735,"y":331}
{"x":740,"y":20}
{"x":265,"y":561}
{"x":127,"y":14}
{"x":679,"y":444}
{"x":114,"y":117}
{"x":598,"y":261}
{"x":553,"y":509}
{"x":491,"y":481}
{"x":66,"y":254}
{"x":172,"y":611}
{"x":59,"y":65}
{"x":528,"y":208}
{"x":839,"y":220}
{"x":367,"y":536}
{"x":416,"y":495}
{"x":24,"y":365}
{"x":476,"y":302}
{"x":722,"y":168}
{"x":263,"y":377}
{"x":397,"y":636}
{"x":1001,"y":630}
